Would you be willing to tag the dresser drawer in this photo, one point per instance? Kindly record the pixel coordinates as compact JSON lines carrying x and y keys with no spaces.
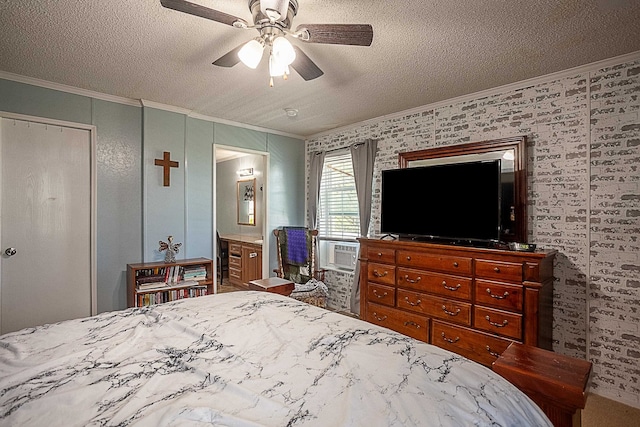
{"x":442,"y":284}
{"x":383,"y":255}
{"x":381,"y":294}
{"x":235,"y":273}
{"x":498,"y":322}
{"x":408,"y":324}
{"x":500,"y":295}
{"x":444,"y":263}
{"x":509,"y":271}
{"x":432,"y":306}
{"x":235,"y":248}
{"x":478,"y":346}
{"x":235,"y":261}
{"x":381,"y":273}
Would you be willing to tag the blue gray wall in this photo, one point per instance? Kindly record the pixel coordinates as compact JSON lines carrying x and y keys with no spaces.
{"x":135,"y":210}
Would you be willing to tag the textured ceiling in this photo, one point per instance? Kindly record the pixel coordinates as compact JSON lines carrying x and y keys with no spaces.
{"x":423,"y":51}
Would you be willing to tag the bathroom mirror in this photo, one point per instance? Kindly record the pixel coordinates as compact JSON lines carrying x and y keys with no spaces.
{"x":246,"y":202}
{"x":512,"y":152}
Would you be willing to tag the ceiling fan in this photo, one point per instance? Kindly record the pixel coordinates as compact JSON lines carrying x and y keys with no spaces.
{"x":273,"y":20}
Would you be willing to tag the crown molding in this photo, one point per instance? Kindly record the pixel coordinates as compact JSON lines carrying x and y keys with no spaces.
{"x":244,"y":125}
{"x":68,"y":89}
{"x":594,"y":66}
{"x":134,"y":102}
{"x":165,"y":107}
{"x":194,"y":115}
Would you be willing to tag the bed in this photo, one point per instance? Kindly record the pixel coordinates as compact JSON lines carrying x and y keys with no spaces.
{"x":244,"y":359}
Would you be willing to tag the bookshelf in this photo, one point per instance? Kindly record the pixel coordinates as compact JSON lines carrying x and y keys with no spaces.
{"x":150,"y":283}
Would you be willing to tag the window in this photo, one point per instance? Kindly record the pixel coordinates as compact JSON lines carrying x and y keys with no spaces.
{"x":338,"y":217}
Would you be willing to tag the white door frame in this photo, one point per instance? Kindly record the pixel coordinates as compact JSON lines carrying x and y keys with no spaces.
{"x":92,"y":135}
{"x":265,"y":206}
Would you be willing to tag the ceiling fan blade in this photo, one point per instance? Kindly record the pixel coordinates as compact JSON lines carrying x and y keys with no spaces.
{"x":307,"y":69}
{"x":349,"y":34}
{"x":230,"y":58}
{"x":203,"y":12}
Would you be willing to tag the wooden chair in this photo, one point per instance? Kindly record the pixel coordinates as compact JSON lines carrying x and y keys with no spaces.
{"x":297,"y":262}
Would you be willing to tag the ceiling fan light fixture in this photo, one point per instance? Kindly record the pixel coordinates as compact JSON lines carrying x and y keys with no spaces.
{"x":251,"y":53}
{"x":276,"y":67}
{"x":273,"y":20}
{"x":283,"y":50}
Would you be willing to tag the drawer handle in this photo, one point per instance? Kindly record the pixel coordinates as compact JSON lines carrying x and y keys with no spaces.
{"x":504,"y":323}
{"x":493,"y":353}
{"x":412,"y":303}
{"x":450,"y":313}
{"x":496,"y":269}
{"x":449,"y":340}
{"x":379,"y":319}
{"x":503,"y":296}
{"x":410,"y":323}
{"x":379,"y":254}
{"x":408,"y":258}
{"x":375,"y":273}
{"x":406,"y":278}
{"x":378,"y":295}
{"x":253,"y":254}
{"x":455,"y":264}
{"x":450,"y":288}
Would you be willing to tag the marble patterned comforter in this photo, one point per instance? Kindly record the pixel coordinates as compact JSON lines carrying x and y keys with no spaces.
{"x":244,"y":359}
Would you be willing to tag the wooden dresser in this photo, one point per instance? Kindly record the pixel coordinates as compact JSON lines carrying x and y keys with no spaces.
{"x":472,"y":301}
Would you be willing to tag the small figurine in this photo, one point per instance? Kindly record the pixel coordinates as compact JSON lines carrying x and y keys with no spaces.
{"x":171,"y":248}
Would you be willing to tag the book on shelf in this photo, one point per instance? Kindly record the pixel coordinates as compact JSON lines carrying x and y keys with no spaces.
{"x":151,"y":285}
{"x":146,"y":287}
{"x":194,"y":272}
{"x":150,"y":279}
{"x":167,"y":295}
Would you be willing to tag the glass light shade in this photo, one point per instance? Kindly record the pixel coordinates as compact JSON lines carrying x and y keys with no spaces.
{"x":251,"y":53}
{"x":276,"y":67}
{"x":283,"y":50}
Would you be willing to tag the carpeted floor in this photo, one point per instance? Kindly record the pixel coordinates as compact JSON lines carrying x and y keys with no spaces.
{"x":602,"y":412}
{"x":227,"y":287}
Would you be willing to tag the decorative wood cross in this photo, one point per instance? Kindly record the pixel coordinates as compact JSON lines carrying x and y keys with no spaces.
{"x":166,"y":165}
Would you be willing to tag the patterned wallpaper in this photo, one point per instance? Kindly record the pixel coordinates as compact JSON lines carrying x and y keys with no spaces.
{"x":583,"y":147}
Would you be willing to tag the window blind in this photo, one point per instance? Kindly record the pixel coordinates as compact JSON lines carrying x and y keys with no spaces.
{"x":338,"y":216}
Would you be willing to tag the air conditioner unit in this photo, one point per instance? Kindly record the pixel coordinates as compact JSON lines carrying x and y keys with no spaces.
{"x":343,"y":255}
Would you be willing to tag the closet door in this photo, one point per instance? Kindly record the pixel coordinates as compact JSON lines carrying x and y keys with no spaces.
{"x":45,"y":227}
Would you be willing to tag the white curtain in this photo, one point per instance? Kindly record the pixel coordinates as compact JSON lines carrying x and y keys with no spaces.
{"x":363,"y":156}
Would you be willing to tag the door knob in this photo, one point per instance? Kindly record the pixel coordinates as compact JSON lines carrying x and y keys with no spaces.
{"x":10,"y":251}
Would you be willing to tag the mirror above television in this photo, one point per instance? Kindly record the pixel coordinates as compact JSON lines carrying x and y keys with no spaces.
{"x":511,"y":156}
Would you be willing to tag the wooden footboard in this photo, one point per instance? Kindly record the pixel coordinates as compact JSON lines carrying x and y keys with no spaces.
{"x":556,"y":383}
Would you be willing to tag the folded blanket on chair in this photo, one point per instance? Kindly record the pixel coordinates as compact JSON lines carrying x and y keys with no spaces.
{"x":296,"y":250}
{"x":312,"y":285}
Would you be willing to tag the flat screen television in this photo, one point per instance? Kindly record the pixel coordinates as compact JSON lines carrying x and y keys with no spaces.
{"x":455,"y":203}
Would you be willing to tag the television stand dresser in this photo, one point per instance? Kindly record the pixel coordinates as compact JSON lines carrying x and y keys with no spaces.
{"x":472,"y":301}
